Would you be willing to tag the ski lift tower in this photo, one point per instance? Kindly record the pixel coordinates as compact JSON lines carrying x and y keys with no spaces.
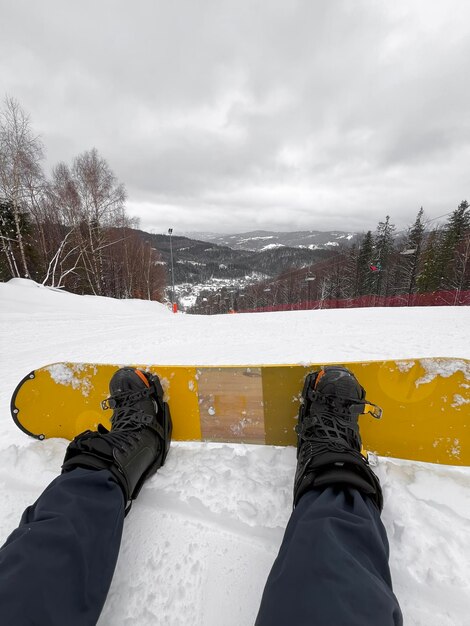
{"x":174,"y":305}
{"x":309,"y":279}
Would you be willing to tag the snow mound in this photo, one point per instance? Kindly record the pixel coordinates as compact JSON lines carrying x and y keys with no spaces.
{"x":24,"y":296}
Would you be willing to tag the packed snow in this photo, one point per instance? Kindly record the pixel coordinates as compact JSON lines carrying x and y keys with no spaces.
{"x":200,"y":540}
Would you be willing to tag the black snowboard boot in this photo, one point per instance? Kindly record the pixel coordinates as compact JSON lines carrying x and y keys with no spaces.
{"x":139,"y":439}
{"x":328,"y":441}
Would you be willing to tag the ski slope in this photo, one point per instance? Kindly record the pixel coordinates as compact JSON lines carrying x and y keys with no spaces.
{"x":200,"y":541}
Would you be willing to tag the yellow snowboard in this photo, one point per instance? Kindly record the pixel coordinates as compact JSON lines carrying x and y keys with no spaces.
{"x":425,"y":402}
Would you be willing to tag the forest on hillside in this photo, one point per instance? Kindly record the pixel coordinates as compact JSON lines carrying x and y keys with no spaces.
{"x":426,"y":258}
{"x":69,"y":230}
{"x":201,"y":261}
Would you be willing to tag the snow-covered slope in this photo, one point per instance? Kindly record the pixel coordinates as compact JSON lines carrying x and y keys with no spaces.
{"x":200,"y":541}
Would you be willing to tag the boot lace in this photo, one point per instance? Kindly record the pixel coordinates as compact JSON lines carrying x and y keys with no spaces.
{"x":123,"y":440}
{"x":127,"y":424}
{"x":127,"y":420}
{"x":330,"y":426}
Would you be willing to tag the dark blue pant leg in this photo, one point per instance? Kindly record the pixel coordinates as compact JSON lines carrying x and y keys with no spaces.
{"x":57,"y":566}
{"x":332,"y":568}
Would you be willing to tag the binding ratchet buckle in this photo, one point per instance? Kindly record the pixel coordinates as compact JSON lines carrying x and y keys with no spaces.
{"x":372,"y":409}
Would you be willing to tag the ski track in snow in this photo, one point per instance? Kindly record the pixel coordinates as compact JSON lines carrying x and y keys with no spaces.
{"x":200,"y":541}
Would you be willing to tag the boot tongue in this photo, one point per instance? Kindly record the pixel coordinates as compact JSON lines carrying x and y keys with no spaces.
{"x":100,"y":445}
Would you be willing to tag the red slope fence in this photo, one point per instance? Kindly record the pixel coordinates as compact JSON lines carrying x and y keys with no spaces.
{"x":438,"y":298}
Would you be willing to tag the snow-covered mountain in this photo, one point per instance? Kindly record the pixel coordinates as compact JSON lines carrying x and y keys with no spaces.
{"x":267,"y":240}
{"x":199,"y":262}
{"x":201,"y":539}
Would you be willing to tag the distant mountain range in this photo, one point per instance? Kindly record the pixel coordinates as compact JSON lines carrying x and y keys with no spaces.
{"x":198,"y":261}
{"x":261,"y":240}
{"x":208,"y":262}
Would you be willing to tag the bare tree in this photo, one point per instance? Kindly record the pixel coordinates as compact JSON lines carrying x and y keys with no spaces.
{"x":21,"y":153}
{"x":63,"y":263}
{"x":101,"y":202}
{"x":88,"y":199}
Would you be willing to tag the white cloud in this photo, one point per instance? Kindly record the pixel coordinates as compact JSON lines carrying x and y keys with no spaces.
{"x":268,"y":114}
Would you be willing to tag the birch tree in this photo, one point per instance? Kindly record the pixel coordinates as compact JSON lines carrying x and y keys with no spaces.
{"x":21,"y":153}
{"x":101,"y":206}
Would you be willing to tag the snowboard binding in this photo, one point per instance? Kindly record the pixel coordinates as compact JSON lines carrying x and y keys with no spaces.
{"x":139,"y":439}
{"x":329,"y":446}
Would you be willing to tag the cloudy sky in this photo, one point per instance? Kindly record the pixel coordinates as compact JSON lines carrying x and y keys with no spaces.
{"x":231,"y":115}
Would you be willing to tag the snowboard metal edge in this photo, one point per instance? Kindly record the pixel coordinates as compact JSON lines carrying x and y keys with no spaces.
{"x":15,"y":411}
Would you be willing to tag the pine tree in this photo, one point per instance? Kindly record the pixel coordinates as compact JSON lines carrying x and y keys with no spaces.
{"x":429,"y":277}
{"x":383,"y":248}
{"x":444,"y":267}
{"x":9,"y":246}
{"x":9,"y":265}
{"x":364,"y":276}
{"x":454,"y":255}
{"x":456,"y":231}
{"x":412,"y":253}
